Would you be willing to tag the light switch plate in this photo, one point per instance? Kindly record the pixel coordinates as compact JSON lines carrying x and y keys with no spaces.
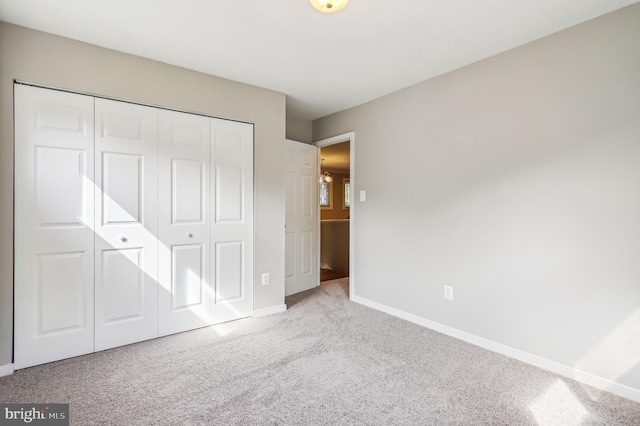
{"x":363,"y":196}
{"x":448,"y":292}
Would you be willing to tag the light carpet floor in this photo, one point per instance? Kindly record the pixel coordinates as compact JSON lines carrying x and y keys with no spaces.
{"x":326,"y":361}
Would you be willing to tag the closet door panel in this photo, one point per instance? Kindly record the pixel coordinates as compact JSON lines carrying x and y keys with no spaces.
{"x":184,"y":300}
{"x":229,"y":271}
{"x":232,"y":225}
{"x":54,"y":221}
{"x":229,"y":192}
{"x":123,"y":285}
{"x":122,"y":188}
{"x":59,"y":183}
{"x":188,"y":191}
{"x":126,"y":272}
{"x":61,"y":292}
{"x":187,"y":276}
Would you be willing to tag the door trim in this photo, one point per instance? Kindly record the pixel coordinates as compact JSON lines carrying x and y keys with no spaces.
{"x":351,"y":138}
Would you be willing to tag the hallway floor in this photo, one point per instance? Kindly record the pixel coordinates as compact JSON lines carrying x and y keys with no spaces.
{"x":328,"y":274}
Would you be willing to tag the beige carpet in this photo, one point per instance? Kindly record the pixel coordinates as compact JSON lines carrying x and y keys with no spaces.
{"x":326,"y":361}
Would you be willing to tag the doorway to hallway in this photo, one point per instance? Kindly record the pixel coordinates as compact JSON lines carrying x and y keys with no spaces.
{"x":336,"y":207}
{"x":335,"y":194}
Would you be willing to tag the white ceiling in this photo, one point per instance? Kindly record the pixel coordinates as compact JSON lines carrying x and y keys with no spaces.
{"x":323,"y":63}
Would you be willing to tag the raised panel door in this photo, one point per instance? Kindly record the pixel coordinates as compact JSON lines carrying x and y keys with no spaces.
{"x":184,"y":222}
{"x":301,"y":223}
{"x":126,"y":267}
{"x":54,"y":221}
{"x":232,"y":222}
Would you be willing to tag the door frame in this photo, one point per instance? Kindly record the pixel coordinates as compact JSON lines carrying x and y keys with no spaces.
{"x":351,"y":138}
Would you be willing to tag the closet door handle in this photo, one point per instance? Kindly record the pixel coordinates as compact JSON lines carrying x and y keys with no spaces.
{"x":189,"y":234}
{"x":123,"y":238}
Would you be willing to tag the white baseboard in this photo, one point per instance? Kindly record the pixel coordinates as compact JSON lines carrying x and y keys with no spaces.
{"x":270,"y":311}
{"x":563,"y":370}
{"x":6,"y":370}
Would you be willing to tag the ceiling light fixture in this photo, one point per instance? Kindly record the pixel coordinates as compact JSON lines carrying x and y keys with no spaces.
{"x":324,"y":176}
{"x":329,"y":6}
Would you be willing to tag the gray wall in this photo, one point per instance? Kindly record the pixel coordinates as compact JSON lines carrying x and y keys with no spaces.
{"x":54,"y":61}
{"x":517,"y":181}
{"x":299,"y":130}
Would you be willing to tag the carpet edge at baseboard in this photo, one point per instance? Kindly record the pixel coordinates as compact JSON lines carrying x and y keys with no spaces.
{"x":546,"y":364}
{"x":6,"y":370}
{"x":270,"y":311}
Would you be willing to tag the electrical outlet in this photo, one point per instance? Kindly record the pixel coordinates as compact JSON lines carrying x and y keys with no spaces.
{"x":448,"y":292}
{"x":265,"y":278}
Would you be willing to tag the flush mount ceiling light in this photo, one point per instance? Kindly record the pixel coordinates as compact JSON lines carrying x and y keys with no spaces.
{"x":330,"y":6}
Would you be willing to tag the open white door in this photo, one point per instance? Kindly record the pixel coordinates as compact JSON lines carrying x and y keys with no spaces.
{"x":301,"y":234}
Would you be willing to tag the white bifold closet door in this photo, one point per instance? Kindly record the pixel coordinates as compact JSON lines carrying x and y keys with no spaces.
{"x":54,"y":226}
{"x":231,"y":220}
{"x":206,"y":221}
{"x":131,"y":222}
{"x":126,"y":264}
{"x":184,"y":233}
